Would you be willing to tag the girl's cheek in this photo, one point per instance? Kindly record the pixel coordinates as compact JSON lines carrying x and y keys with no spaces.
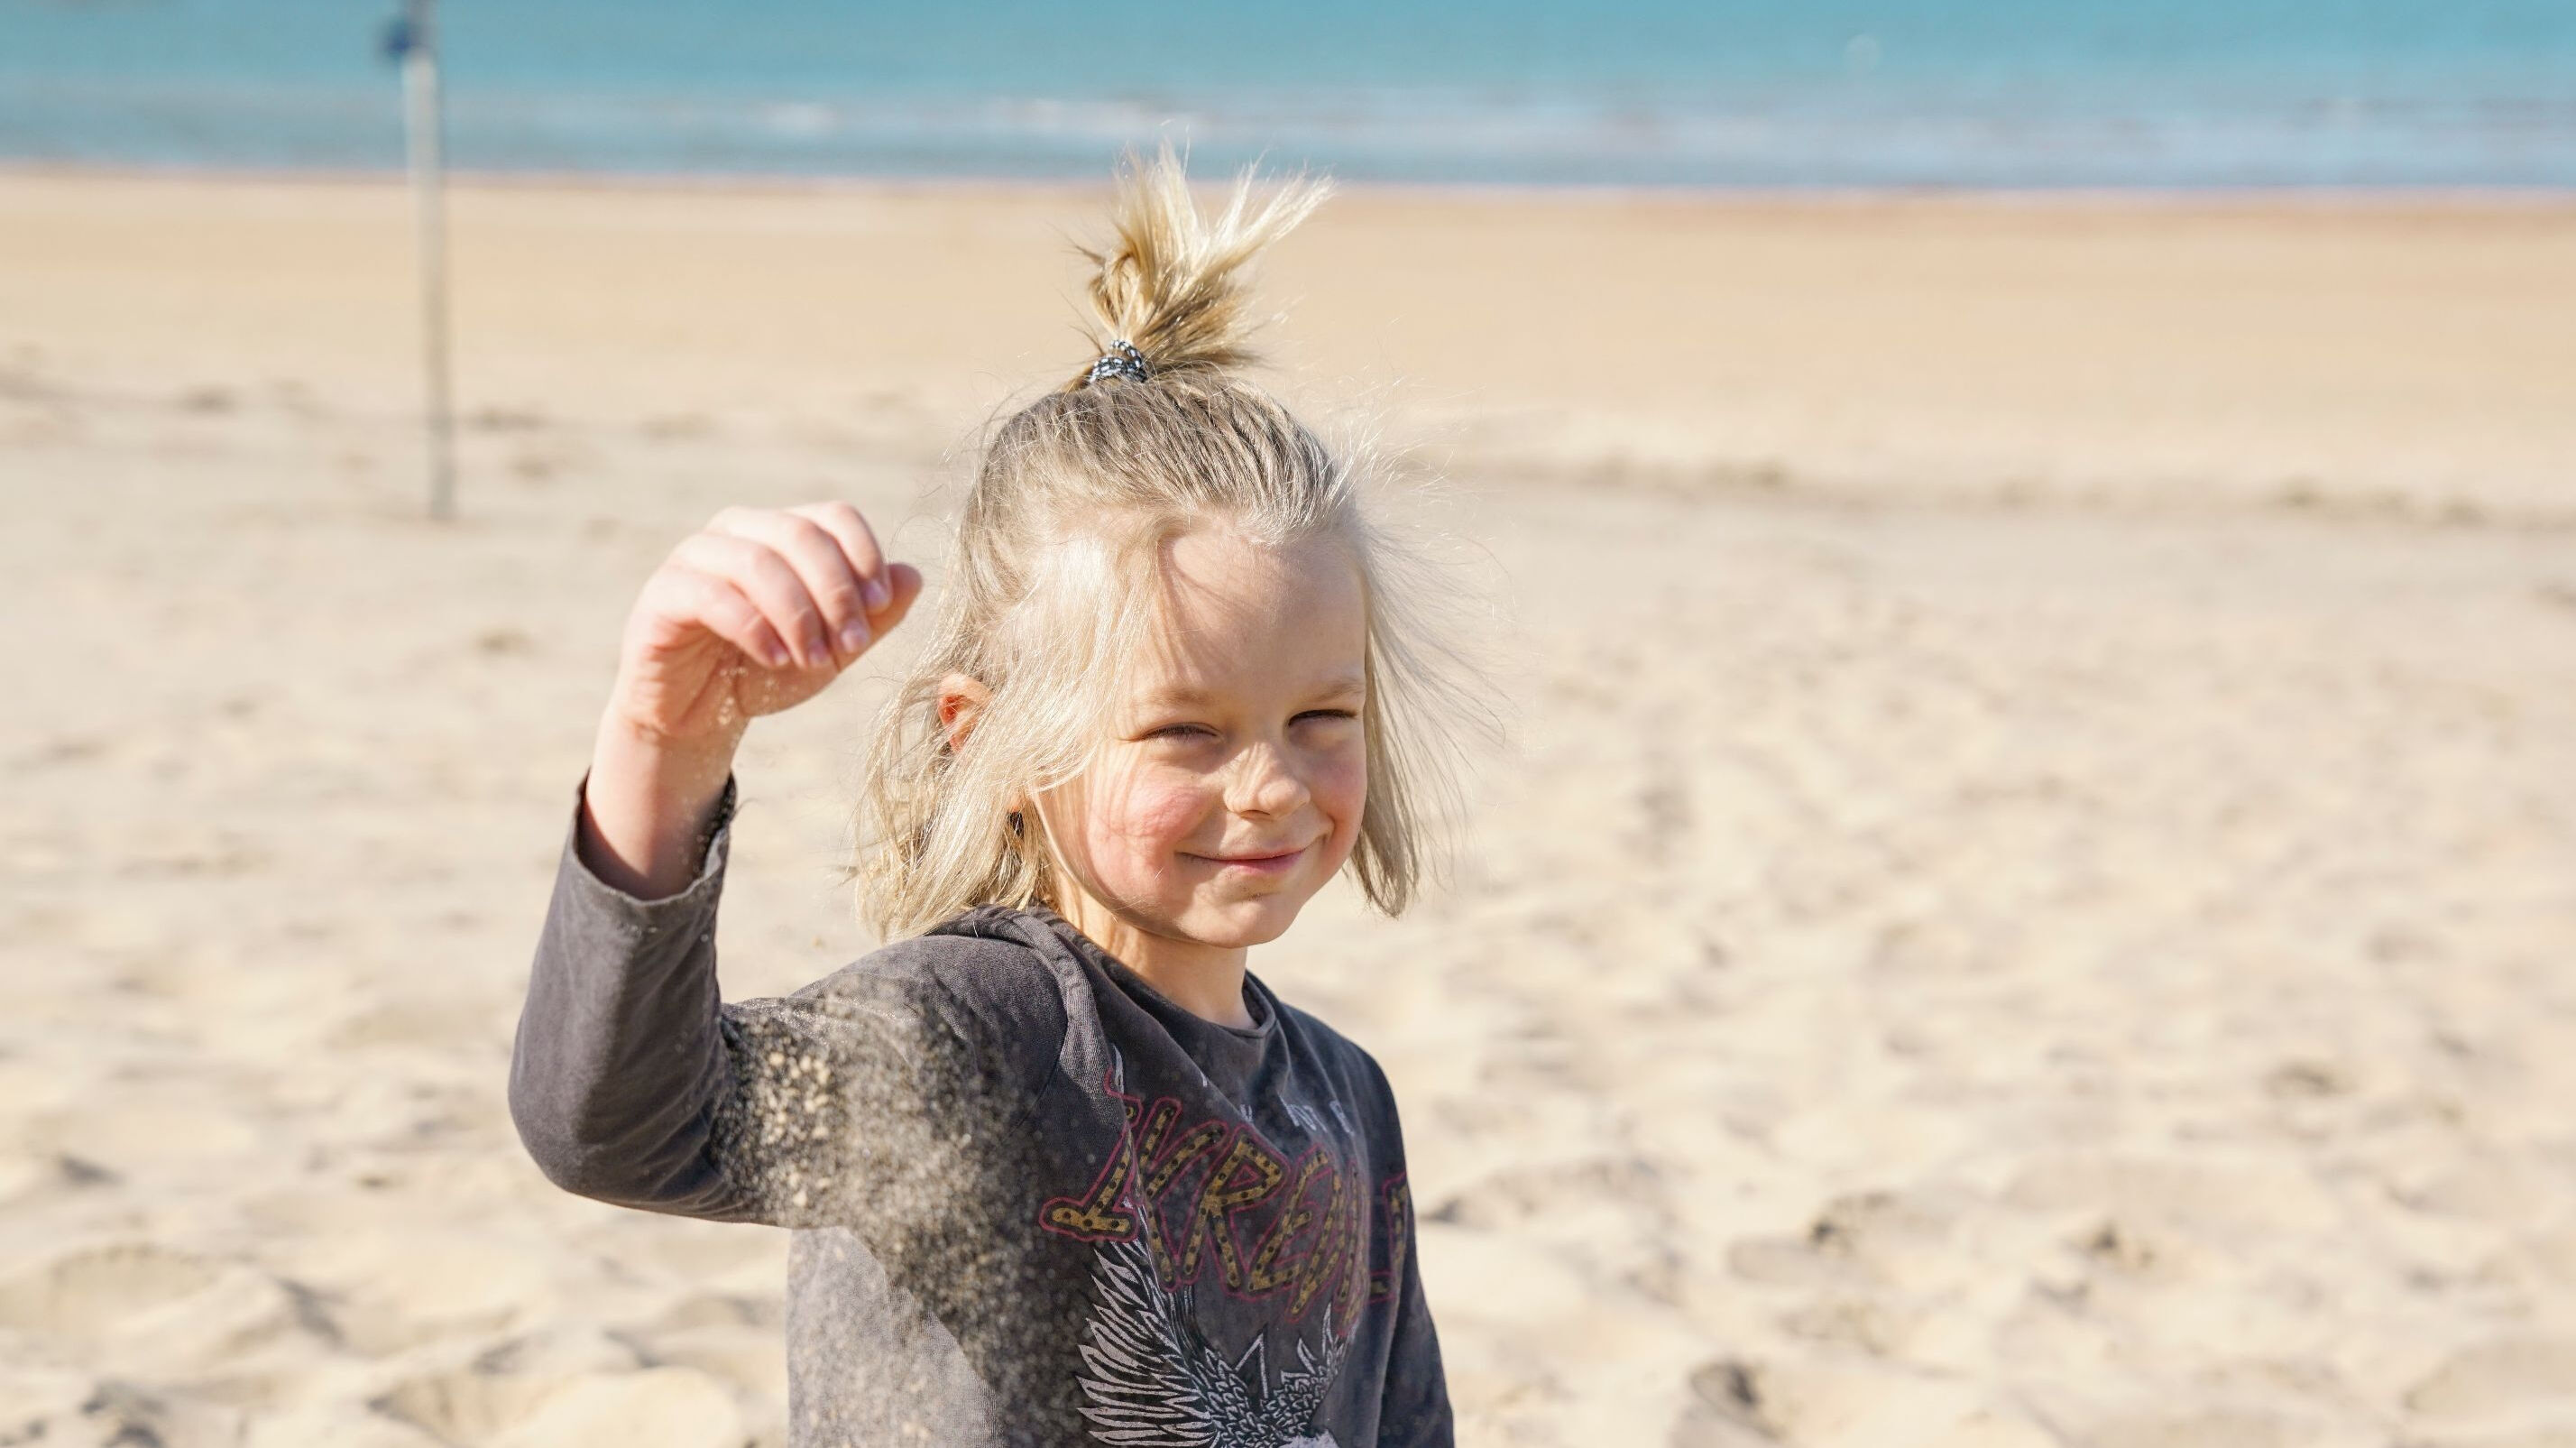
{"x":1157,"y":810}
{"x":1340,"y":787}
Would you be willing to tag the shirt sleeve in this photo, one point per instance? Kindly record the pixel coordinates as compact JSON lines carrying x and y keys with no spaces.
{"x":1414,"y":1409}
{"x":632,"y":1082}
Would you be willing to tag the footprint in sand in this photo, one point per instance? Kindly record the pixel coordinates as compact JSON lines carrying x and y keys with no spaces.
{"x":2504,"y":1377}
{"x":664,"y":1407}
{"x":90,"y":1292}
{"x":2215,"y":1428}
{"x":2210,"y":1194}
{"x":1516,"y":1195}
{"x":148,"y":1307}
{"x":462,"y":1407}
{"x":393,"y":1290}
{"x":1738,"y":1403}
{"x":1896,"y":1238}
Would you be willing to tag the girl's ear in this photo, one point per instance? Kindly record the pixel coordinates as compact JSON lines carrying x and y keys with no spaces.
{"x":961,"y":699}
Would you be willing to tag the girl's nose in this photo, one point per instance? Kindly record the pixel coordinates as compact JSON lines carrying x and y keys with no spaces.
{"x":1264,"y":784}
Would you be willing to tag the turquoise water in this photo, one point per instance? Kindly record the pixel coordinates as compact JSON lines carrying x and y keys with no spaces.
{"x":2020,"y":93}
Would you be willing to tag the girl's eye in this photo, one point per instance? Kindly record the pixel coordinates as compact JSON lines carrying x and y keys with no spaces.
{"x":1324,"y":714}
{"x":1181,"y":731}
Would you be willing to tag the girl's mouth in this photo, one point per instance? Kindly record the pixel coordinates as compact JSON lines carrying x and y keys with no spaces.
{"x":1256,"y":864}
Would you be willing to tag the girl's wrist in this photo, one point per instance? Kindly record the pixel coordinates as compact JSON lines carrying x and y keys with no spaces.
{"x":646,"y":803}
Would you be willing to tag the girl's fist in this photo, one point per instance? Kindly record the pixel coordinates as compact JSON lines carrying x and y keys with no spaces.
{"x":752,"y":614}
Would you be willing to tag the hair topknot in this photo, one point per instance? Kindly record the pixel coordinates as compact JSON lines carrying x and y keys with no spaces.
{"x":1172,"y":284}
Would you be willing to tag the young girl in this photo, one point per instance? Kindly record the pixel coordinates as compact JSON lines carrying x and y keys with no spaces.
{"x":1061,"y":1170}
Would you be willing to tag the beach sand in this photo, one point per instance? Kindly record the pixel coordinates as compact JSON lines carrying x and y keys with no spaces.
{"x":2030,"y":899}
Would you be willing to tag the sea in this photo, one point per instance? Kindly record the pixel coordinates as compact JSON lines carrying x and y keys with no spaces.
{"x":1766,"y":94}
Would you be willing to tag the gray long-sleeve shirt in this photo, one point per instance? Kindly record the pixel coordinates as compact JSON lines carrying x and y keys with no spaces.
{"x":1034,"y":1201}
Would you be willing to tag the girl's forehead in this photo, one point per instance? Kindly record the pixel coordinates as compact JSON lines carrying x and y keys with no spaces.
{"x":1235,"y":616}
{"x":1218,"y":588}
{"x":1220,"y":557}
{"x":1180,"y":661}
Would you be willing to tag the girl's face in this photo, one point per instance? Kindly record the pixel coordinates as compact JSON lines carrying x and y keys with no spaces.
{"x":1231,"y":784}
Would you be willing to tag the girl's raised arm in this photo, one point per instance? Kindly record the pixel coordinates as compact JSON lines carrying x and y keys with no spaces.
{"x":630,"y":1082}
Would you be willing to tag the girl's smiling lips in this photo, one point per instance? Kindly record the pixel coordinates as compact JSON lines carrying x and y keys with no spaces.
{"x":1258,"y":864}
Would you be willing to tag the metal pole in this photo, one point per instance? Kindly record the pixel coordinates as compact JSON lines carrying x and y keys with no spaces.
{"x":421,"y":136}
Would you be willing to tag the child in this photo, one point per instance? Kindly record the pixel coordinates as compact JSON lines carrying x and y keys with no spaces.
{"x":1060,"y":1169}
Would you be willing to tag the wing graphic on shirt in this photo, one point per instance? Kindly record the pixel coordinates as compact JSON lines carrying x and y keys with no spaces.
{"x":1153,"y":1382}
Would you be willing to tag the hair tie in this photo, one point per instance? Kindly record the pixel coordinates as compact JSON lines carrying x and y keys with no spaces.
{"x":1121,"y":360}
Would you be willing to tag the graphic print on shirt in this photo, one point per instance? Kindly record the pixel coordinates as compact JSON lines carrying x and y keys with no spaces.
{"x":1153,"y":1381}
{"x":1211,"y":1206}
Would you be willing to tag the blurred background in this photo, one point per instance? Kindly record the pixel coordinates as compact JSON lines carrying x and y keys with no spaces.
{"x":2030,"y":549}
{"x":1848,"y":93}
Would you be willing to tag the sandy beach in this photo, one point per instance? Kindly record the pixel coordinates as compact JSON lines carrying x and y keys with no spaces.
{"x":2030,"y":900}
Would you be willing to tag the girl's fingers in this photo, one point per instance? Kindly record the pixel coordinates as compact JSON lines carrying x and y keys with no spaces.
{"x":859,"y":546}
{"x":720,"y":609}
{"x":903,"y":585}
{"x":763,"y":577}
{"x":820,"y":563}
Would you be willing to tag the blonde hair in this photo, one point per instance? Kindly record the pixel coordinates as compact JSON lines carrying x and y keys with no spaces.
{"x":1073,"y":501}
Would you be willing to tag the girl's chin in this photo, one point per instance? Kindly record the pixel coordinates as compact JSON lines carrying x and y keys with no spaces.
{"x":1242,"y":924}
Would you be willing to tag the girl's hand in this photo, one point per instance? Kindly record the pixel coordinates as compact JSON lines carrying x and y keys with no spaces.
{"x":752,"y":614}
